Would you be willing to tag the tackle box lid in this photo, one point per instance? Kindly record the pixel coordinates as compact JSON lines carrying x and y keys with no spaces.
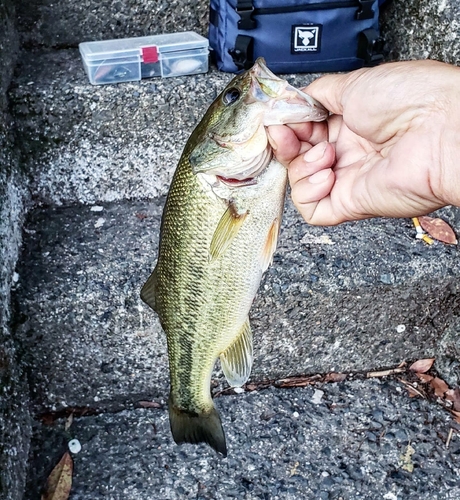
{"x":125,"y":47}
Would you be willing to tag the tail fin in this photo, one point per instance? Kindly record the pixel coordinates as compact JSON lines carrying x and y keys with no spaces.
{"x":190,"y":427}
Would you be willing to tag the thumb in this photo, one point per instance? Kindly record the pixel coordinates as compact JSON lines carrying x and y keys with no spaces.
{"x":329,"y":90}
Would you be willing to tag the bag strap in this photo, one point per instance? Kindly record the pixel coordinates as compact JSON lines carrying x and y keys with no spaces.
{"x":370,"y":47}
{"x":243,"y":52}
{"x":245,"y":9}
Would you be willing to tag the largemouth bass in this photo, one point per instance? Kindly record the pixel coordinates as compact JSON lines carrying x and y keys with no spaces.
{"x":219,"y":231}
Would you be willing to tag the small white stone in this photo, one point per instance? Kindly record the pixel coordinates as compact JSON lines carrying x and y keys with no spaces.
{"x":316,"y":399}
{"x":401,"y":328}
{"x":238,"y":390}
{"x":74,"y":446}
{"x":296,"y":414}
{"x":100,"y":222}
{"x":390,"y":496}
{"x":15,"y":277}
{"x":96,"y":208}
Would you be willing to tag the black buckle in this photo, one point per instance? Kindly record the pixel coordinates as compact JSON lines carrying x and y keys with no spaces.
{"x":365,"y":10}
{"x":245,"y":9}
{"x":370,"y":47}
{"x":243,"y":53}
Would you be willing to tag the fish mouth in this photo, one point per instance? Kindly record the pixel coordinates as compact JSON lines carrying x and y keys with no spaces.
{"x":250,"y":181}
{"x":248,"y":176}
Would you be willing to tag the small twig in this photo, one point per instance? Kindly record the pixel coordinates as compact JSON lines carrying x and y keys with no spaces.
{"x":412,"y":388}
{"x":385,"y":373}
{"x":449,"y":437}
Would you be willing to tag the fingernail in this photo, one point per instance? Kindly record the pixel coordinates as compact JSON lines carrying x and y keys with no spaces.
{"x":315,"y":153}
{"x":272,"y":142}
{"x":320,"y":176}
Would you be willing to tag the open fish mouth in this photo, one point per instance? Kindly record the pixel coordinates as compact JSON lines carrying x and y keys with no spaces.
{"x":248,"y":176}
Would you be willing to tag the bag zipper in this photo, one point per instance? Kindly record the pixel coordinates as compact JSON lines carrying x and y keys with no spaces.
{"x":301,"y":8}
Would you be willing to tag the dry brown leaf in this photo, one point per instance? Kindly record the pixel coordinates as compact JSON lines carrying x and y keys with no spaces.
{"x":150,"y":404}
{"x":425,"y":378}
{"x":438,"y":229}
{"x":60,"y":480}
{"x":422,"y":365}
{"x":335,"y":377}
{"x":456,"y":415}
{"x":439,"y":386}
{"x":295,"y":381}
{"x":454,"y":396}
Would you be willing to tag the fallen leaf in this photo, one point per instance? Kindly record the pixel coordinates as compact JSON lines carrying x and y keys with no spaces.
{"x":60,"y":480}
{"x":454,"y":396}
{"x":424,"y":377}
{"x":335,"y":377}
{"x":405,"y":460}
{"x":438,"y":229}
{"x":296,"y":381}
{"x":456,"y":415}
{"x":141,"y":216}
{"x":439,"y":386}
{"x":422,"y":365}
{"x":150,"y":404}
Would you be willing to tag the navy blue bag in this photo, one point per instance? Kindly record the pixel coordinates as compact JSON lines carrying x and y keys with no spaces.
{"x":296,"y":36}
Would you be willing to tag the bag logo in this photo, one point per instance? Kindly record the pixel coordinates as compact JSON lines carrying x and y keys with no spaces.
{"x":306,"y":38}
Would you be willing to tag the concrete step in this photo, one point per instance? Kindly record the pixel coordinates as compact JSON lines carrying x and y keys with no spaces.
{"x":65,"y":23}
{"x":84,"y":144}
{"x":356,"y":297}
{"x":281,"y":446}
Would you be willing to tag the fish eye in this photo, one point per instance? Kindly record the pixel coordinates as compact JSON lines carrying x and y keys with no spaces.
{"x":231,"y":96}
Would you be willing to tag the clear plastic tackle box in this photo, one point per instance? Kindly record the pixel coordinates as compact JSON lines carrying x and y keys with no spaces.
{"x":129,"y":59}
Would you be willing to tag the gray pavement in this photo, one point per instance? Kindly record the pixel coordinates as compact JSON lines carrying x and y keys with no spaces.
{"x":349,"y":445}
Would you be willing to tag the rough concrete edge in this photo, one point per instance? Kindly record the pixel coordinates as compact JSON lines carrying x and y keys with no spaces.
{"x":15,"y":425}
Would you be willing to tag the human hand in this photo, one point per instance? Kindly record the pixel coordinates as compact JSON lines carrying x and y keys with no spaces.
{"x":391,"y":147}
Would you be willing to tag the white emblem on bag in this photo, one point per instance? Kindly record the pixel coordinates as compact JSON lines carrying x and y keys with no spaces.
{"x":306,"y":38}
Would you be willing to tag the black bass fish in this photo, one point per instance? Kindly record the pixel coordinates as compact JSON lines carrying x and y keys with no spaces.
{"x":218,"y":234}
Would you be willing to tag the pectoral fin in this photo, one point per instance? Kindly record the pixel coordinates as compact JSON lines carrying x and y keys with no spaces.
{"x":148,"y":290}
{"x":228,"y":227}
{"x":236,"y":361}
{"x":270,"y":245}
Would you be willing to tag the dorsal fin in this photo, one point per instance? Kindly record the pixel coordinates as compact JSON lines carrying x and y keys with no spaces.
{"x":236,"y":361}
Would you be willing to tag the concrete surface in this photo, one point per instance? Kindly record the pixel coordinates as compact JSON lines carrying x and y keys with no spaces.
{"x":282,"y":446}
{"x":82,"y":143}
{"x":64,"y":24}
{"x":15,"y":424}
{"x":332,"y":301}
{"x":422,"y":30}
{"x":352,"y":298}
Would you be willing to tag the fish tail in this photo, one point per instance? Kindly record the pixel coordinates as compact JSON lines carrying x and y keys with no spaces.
{"x":191,"y":427}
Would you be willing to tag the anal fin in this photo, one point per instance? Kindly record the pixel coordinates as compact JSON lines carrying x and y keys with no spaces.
{"x":236,"y":361}
{"x":228,"y":227}
{"x":149,"y":290}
